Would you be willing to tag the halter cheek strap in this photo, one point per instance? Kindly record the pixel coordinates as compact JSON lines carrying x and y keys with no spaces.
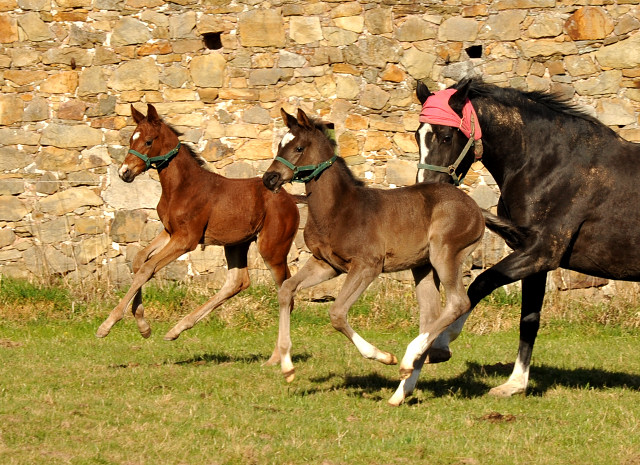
{"x":158,"y":161}
{"x":315,"y":169}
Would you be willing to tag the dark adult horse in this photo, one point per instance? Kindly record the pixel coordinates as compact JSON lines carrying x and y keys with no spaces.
{"x":198,"y":206}
{"x":566,"y":177}
{"x":353,"y":229}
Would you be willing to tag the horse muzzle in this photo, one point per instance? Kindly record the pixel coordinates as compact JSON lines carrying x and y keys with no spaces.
{"x":272,"y":180}
{"x":126,"y":174}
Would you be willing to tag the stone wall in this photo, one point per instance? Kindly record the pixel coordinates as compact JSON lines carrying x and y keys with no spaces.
{"x":219,"y":71}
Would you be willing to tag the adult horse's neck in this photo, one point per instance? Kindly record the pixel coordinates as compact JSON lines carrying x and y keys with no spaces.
{"x":504,"y":143}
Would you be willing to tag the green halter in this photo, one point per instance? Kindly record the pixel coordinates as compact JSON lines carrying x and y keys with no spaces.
{"x":159,"y":161}
{"x":315,"y":169}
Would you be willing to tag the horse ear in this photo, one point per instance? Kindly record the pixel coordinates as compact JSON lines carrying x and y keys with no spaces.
{"x":137,"y":116}
{"x":152,"y":114}
{"x":422,"y":92}
{"x":303,"y":119}
{"x":457,"y":100}
{"x":288,"y":119}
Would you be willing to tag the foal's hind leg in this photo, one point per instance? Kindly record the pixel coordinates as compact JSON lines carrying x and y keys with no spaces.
{"x":141,"y":257}
{"x":449,"y":268}
{"x":237,"y":280}
{"x":428,"y":297}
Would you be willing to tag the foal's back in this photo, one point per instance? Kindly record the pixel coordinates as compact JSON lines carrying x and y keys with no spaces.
{"x":399,"y":226}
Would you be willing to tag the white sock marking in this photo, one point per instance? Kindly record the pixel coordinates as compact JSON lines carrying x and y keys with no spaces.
{"x":366,"y":349}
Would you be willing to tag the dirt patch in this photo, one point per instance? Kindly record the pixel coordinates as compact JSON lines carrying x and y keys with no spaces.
{"x":9,"y":344}
{"x":497,"y":417}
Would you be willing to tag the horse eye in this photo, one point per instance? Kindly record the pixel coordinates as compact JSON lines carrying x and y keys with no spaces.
{"x":446,"y":139}
{"x":299,"y":149}
{"x":149,"y":142}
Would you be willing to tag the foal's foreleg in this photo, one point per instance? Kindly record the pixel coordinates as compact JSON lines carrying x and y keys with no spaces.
{"x":141,"y":257}
{"x":237,"y":280}
{"x":314,"y":272}
{"x":174,"y":248}
{"x":358,"y":279}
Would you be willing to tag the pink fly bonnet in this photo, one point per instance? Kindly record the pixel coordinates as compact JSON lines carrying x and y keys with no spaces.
{"x":436,"y":110}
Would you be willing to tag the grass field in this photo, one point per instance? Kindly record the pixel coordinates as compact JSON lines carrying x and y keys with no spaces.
{"x":69,"y":398}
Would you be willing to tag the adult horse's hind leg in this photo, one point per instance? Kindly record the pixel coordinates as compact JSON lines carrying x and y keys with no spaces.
{"x":428,"y":296}
{"x":141,"y":257}
{"x":531,"y":266}
{"x":358,"y":279}
{"x":533,"y":290}
{"x":237,"y":280}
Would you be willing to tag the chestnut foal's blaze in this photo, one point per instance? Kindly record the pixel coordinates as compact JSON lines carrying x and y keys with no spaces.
{"x":428,"y":228}
{"x":201,"y":207}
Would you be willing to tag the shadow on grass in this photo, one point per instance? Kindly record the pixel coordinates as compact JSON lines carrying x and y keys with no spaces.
{"x":220,"y":358}
{"x":472,"y":382}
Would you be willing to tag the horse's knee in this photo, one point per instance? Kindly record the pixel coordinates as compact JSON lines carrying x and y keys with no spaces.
{"x":338,"y":321}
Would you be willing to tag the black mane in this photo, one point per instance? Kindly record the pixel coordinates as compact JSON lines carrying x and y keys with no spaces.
{"x":327,"y":130}
{"x":201,"y":161}
{"x":516,"y":98}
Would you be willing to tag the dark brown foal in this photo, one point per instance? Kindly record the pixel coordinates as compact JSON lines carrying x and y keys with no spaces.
{"x":201,"y":207}
{"x":428,"y":228}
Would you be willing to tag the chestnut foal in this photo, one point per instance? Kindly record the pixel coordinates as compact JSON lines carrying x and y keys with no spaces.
{"x":200,"y":207}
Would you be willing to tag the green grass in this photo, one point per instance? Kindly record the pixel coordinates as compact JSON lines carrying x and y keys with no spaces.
{"x":69,"y":398}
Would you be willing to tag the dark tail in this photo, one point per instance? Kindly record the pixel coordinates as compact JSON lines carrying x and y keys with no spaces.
{"x":512,"y":234}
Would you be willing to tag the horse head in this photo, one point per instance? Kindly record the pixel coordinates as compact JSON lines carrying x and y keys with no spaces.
{"x":151,"y":145}
{"x":303,"y":153}
{"x":441,"y":136}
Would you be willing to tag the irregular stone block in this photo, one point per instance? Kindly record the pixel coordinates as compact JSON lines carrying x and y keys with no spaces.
{"x":624,"y":54}
{"x":11,"y":109}
{"x":139,"y":74}
{"x":589,"y":23}
{"x":64,"y":136}
{"x":208,"y":70}
{"x":68,"y":200}
{"x":12,"y":208}
{"x":305,"y":29}
{"x":127,"y":225}
{"x":129,"y":31}
{"x":261,"y":28}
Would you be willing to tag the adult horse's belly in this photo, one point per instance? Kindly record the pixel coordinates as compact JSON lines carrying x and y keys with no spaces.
{"x":607,"y":249}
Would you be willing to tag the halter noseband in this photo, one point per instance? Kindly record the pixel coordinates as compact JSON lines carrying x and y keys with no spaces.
{"x":451,"y":169}
{"x":159,"y":161}
{"x":315,"y":169}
